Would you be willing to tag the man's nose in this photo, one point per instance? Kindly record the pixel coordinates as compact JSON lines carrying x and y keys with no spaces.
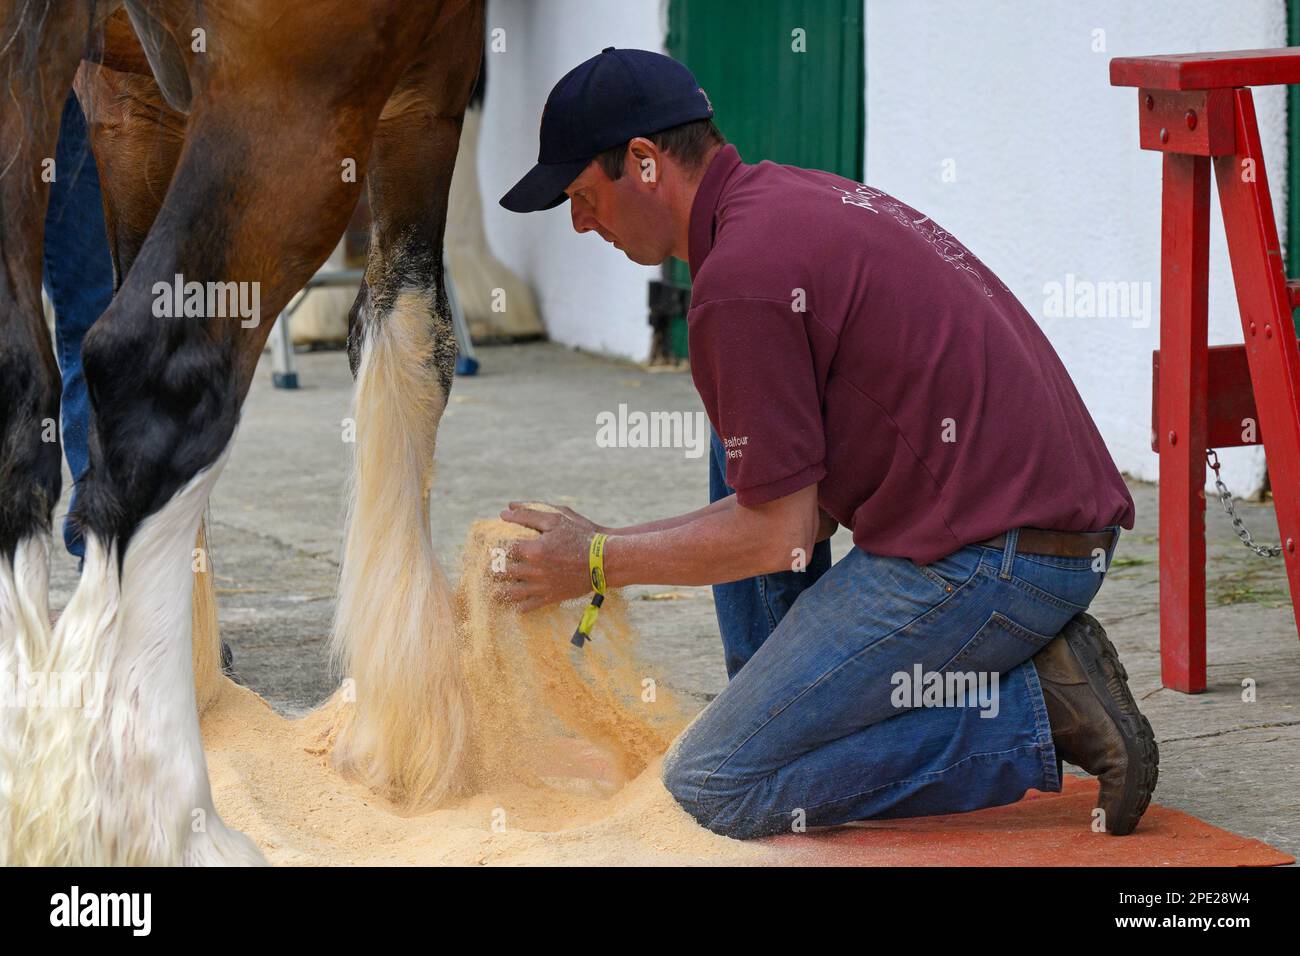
{"x":583,"y":220}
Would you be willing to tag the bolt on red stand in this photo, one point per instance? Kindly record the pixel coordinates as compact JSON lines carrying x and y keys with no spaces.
{"x":1195,"y":108}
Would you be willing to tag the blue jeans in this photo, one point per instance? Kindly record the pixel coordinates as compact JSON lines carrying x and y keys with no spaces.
{"x":816,"y":728}
{"x":748,"y":610}
{"x":79,"y":280}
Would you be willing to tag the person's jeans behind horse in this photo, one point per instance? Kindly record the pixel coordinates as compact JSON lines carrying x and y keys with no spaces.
{"x":79,"y":281}
{"x":749,"y":610}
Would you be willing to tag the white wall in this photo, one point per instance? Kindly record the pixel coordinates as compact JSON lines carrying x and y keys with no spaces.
{"x":590,"y":294}
{"x":1049,"y":177}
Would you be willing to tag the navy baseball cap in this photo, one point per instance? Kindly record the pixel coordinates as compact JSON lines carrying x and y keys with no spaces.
{"x":604,"y":102}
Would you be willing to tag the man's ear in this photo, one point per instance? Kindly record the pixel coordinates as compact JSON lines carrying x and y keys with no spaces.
{"x":645,"y":160}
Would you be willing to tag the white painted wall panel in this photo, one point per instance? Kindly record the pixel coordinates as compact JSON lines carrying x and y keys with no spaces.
{"x":590,"y":294}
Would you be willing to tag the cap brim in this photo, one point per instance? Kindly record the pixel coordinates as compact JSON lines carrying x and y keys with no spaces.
{"x":543,"y":186}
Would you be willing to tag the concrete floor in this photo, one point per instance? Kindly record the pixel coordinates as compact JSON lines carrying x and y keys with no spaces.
{"x":525,"y":427}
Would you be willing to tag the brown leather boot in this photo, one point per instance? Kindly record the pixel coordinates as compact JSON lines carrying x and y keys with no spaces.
{"x":1096,"y":724}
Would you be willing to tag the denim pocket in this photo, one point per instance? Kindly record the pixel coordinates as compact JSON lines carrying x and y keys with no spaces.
{"x":1063,"y":588}
{"x":998,"y":646}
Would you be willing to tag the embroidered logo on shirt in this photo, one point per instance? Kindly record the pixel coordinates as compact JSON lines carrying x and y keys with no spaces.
{"x":943,"y":242}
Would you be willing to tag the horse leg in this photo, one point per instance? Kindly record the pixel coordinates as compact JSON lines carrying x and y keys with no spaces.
{"x":257,"y":199}
{"x":137,"y":137}
{"x":394,"y":634}
{"x":40,"y":45}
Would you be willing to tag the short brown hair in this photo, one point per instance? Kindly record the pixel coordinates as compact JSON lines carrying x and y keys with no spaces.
{"x":688,"y":144}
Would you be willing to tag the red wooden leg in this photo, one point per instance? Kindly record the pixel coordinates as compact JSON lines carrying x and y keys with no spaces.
{"x":1265,"y":307}
{"x":1184,"y":284}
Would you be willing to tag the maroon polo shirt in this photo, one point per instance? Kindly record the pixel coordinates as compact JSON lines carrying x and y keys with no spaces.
{"x":838,"y":336}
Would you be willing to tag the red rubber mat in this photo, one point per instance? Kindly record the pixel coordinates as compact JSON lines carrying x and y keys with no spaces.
{"x":1044,"y":829}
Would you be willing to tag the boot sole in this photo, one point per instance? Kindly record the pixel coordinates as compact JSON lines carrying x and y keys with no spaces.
{"x":1094,"y":651}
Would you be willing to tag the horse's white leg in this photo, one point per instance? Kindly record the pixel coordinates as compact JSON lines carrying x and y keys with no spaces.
{"x":394,"y":632}
{"x":137,"y":139}
{"x":124,"y":781}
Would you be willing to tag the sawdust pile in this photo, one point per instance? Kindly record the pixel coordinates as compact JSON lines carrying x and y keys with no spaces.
{"x":565,"y":750}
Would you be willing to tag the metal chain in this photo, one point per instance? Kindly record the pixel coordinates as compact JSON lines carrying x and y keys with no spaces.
{"x":1225,"y":496}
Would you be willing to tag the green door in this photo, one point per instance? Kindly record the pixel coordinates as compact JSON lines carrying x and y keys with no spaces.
{"x":786,"y":79}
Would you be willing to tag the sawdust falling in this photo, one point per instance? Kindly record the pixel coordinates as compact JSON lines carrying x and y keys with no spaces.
{"x":565,"y":746}
{"x":528,"y":683}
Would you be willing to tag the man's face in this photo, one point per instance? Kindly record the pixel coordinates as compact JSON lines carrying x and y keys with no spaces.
{"x":629,"y":212}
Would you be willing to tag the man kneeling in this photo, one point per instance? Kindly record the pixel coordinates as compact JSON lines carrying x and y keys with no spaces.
{"x":859,"y":366}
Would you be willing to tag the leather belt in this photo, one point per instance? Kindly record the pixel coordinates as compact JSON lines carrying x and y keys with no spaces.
{"x":1057,"y":544}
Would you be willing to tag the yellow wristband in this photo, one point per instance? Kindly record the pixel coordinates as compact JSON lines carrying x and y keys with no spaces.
{"x":596,"y":562}
{"x":595,"y":565}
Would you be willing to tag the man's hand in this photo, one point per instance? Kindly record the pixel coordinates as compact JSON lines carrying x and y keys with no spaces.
{"x":551,"y":568}
{"x":584,"y":523}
